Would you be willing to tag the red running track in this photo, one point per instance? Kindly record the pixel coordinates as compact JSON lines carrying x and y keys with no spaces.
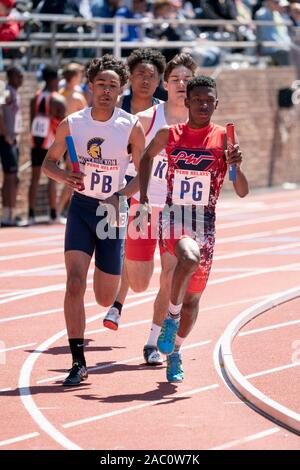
{"x":125,"y":404}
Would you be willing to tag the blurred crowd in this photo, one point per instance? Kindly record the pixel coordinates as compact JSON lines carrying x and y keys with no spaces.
{"x":280,"y":37}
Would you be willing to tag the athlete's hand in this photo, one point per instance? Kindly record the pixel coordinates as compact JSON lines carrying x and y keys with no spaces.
{"x":233,"y":155}
{"x":142,"y":217}
{"x":73,"y":179}
{"x":113,"y":204}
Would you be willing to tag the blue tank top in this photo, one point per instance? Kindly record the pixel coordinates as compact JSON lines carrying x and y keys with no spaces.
{"x":126,"y":104}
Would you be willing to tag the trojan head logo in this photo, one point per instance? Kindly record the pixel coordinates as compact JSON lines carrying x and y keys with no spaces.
{"x":94,"y":147}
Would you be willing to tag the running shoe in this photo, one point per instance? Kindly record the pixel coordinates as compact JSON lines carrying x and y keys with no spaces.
{"x":152,"y":356}
{"x":112,"y":319}
{"x":77,"y":374}
{"x":166,"y":339}
{"x":174,"y":368}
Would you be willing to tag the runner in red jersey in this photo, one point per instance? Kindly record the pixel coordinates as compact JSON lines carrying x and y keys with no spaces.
{"x":197,"y":164}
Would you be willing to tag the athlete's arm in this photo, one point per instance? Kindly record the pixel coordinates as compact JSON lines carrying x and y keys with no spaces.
{"x":234,"y":156}
{"x":154,"y":148}
{"x":55,"y":153}
{"x":137,"y":143}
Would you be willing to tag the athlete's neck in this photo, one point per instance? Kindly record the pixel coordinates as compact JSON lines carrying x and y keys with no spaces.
{"x":69,"y":87}
{"x":195,"y":125}
{"x":174,"y":113}
{"x":101,"y":114}
{"x":139,"y":104}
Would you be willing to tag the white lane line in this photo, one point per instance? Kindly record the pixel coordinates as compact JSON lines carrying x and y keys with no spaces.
{"x":252,"y":235}
{"x":17,"y":347}
{"x":5,"y":389}
{"x":244,"y":440}
{"x":259,"y":220}
{"x":56,"y":310}
{"x":31,"y":241}
{"x":284,"y":267}
{"x":24,"y":387}
{"x":271,"y":327}
{"x":240,"y":254}
{"x":19,"y":438}
{"x":34,"y":292}
{"x":18,"y":272}
{"x":271,"y":371}
{"x":138,"y":407}
{"x":125,"y":361}
{"x":31,"y":254}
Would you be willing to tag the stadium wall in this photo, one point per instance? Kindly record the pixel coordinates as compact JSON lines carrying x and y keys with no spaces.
{"x":269,"y":136}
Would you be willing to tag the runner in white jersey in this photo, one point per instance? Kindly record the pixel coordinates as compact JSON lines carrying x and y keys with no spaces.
{"x":146,"y":67}
{"x":101,"y":135}
{"x":139,"y":251}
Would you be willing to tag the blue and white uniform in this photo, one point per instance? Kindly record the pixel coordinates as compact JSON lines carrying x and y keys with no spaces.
{"x":101,"y":148}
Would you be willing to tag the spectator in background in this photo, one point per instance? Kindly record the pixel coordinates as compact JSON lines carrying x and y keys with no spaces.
{"x":75,"y":101}
{"x":105,"y":9}
{"x":47,"y":109}
{"x":11,"y":30}
{"x":10,"y":128}
{"x":8,"y":31}
{"x":273,"y":10}
{"x":295,"y":13}
{"x":294,"y":16}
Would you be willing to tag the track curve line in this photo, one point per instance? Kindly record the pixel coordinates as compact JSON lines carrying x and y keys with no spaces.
{"x":262,"y":403}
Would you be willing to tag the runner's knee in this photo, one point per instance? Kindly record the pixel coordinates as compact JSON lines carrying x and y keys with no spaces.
{"x":76,"y":285}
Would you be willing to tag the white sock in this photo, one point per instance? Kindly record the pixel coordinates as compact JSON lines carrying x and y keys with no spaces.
{"x":174,"y":311}
{"x":178,"y":342}
{"x":154,"y":334}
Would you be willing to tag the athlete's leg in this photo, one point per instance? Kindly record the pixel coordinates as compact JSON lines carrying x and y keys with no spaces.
{"x":168,"y":263}
{"x":189,"y":313}
{"x":150,"y":352}
{"x":52,"y":198}
{"x":35,"y":178}
{"x":188,"y":259}
{"x":77,"y":265}
{"x":105,"y":287}
{"x":139,"y":274}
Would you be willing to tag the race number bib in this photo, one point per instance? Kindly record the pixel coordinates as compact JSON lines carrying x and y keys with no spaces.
{"x":101,"y":181}
{"x":160,"y":168}
{"x":40,"y":126}
{"x":191,"y":187}
{"x":18,"y":123}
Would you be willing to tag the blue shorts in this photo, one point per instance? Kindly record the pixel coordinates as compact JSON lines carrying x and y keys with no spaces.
{"x":81,"y":235}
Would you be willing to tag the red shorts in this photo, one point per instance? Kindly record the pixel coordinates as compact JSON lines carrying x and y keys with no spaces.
{"x":140,"y":247}
{"x":199,"y":279}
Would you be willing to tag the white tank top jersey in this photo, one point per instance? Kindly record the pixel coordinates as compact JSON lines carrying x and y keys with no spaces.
{"x":157,"y":189}
{"x":101,"y":149}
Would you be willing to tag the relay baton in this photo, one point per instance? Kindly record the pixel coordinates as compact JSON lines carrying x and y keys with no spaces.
{"x":231,"y":142}
{"x":73,"y":156}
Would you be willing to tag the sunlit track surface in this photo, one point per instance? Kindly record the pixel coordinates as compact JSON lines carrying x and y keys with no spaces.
{"x":125,"y":404}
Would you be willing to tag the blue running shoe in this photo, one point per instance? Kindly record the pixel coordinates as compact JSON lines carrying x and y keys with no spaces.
{"x":174,"y":368}
{"x":166,"y":339}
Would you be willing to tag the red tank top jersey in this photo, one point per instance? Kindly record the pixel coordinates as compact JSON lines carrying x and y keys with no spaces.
{"x":199,"y":150}
{"x":42,"y":107}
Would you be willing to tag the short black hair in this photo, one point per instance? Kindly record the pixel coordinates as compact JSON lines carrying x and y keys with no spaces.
{"x":49,"y":73}
{"x":147,"y":56}
{"x":180,"y":60}
{"x":200,"y":80}
{"x":13,"y":70}
{"x":107,"y":62}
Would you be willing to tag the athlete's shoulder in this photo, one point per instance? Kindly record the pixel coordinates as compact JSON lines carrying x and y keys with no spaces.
{"x":125,"y":116}
{"x":218,"y":128}
{"x":81,"y":114}
{"x":147,"y":114}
